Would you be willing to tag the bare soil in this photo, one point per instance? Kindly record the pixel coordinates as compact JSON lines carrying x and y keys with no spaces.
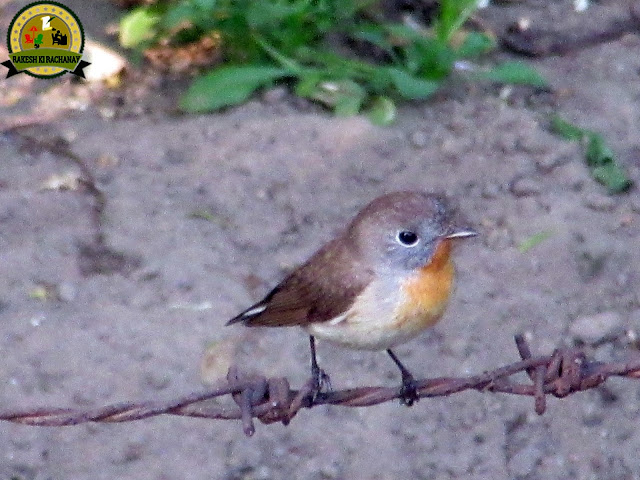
{"x":209,"y":211}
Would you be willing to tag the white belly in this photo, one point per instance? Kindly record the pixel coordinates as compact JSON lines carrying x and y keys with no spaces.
{"x":364,"y":336}
{"x":371,"y":323}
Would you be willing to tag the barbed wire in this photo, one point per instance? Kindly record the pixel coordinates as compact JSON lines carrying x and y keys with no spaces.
{"x":564,"y":372}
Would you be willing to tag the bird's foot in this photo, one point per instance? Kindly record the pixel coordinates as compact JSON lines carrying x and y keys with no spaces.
{"x":408,"y":390}
{"x":321,"y":383}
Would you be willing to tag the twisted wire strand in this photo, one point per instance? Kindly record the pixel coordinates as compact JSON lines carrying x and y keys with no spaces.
{"x":560,"y":374}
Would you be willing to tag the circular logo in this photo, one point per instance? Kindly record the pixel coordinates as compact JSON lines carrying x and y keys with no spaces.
{"x":45,"y":40}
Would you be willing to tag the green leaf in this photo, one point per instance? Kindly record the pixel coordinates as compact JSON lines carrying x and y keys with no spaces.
{"x":404,"y":32}
{"x":412,"y":87}
{"x":613,"y":177}
{"x":269,"y":14}
{"x":181,"y":14}
{"x":348,"y":105}
{"x":598,"y":152}
{"x":344,"y":96}
{"x":475,"y":44}
{"x":528,"y":243}
{"x":604,"y":167}
{"x":137,"y":27}
{"x":283,"y":60}
{"x":427,"y":57}
{"x":382,"y":111}
{"x":376,"y":35}
{"x":202,"y":214}
{"x":566,"y":130}
{"x":228,"y":86}
{"x":451,"y":16}
{"x":207,"y":5}
{"x":516,"y":73}
{"x":379,"y":81}
{"x":348,"y":98}
{"x":598,"y":155}
{"x":436,"y":60}
{"x":308,"y":84}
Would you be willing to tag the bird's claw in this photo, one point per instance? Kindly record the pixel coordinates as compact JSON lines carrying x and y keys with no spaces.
{"x":408,"y":391}
{"x":320,"y":383}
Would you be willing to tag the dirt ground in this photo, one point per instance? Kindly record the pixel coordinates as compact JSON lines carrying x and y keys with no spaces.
{"x":212,"y":210}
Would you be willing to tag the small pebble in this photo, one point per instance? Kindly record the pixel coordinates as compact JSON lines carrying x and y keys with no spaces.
{"x":302,"y":104}
{"x":274,"y":95}
{"x":547,"y":163}
{"x":596,"y":328}
{"x":599,"y":202}
{"x":524,"y":187}
{"x":635,"y":204}
{"x":454,"y":147}
{"x":67,"y":292}
{"x":418,"y":139}
{"x":533,"y":144}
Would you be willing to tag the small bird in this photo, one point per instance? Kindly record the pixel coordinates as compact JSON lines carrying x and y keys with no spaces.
{"x":379,"y":283}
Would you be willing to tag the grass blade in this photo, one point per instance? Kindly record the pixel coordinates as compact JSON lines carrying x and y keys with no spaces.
{"x":228,"y":86}
{"x":515,"y":73}
{"x":530,"y":242}
{"x":412,"y":87}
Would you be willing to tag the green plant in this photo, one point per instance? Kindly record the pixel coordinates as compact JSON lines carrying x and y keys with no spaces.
{"x":534,"y":240}
{"x":295,"y":41}
{"x":600,"y":159}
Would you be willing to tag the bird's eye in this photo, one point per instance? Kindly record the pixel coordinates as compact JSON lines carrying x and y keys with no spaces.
{"x":407,"y":238}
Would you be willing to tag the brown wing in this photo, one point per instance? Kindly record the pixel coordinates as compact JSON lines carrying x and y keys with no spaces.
{"x":318,"y":291}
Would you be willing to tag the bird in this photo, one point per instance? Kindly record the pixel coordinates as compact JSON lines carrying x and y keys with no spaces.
{"x":379,"y":283}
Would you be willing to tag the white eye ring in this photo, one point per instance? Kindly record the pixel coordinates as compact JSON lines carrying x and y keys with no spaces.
{"x":407,"y":238}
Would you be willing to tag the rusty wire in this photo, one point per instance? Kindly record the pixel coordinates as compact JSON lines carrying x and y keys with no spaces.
{"x":562,"y":373}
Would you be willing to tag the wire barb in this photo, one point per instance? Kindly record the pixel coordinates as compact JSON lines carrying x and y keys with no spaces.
{"x":564,"y":372}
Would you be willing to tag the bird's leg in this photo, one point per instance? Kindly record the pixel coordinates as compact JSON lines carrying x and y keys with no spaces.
{"x":319,"y":377}
{"x":409,"y":390}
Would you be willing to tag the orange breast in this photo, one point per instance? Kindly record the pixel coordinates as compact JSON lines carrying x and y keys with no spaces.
{"x":427,"y":292}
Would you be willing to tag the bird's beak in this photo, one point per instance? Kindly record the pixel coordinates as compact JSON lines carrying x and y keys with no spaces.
{"x":461,"y":233}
